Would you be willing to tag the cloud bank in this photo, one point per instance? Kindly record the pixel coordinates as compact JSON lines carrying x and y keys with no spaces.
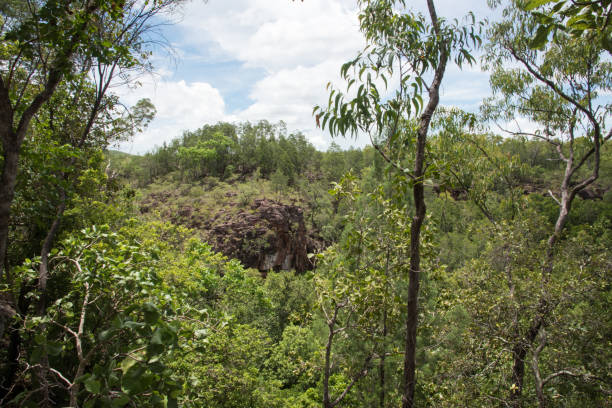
{"x":295,"y":48}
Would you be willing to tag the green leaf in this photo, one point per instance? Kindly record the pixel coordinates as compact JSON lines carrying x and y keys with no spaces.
{"x":157,"y":337}
{"x":558,"y":6}
{"x":534,"y":4}
{"x":135,"y":381}
{"x":540,"y":38}
{"x":92,"y":385}
{"x":134,"y":325}
{"x":204,"y":332}
{"x":106,"y":334}
{"x":127,"y":363}
{"x":151,"y":314}
{"x":121,"y":401}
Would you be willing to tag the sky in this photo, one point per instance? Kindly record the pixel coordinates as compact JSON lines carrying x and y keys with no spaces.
{"x":248,"y":60}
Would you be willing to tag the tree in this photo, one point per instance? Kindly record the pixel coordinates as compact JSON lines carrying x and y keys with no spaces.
{"x":590,"y":19}
{"x":23,"y":62}
{"x":404,"y":46}
{"x":279,"y":181}
{"x":59,"y":60}
{"x":557,"y":88}
{"x":107,"y":331}
{"x":352,"y":286}
{"x":47,"y":42}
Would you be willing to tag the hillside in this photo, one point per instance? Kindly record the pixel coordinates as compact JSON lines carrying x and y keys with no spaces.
{"x":461,"y":257}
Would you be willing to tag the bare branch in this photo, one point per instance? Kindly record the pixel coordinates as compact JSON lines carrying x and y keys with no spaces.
{"x":354,"y":380}
{"x":54,"y":371}
{"x":553,"y":197}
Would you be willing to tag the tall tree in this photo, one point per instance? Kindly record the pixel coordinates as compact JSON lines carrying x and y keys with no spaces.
{"x":79,"y":48}
{"x":356,"y":283}
{"x":558,"y":88}
{"x":414,"y":50}
{"x":46,"y":42}
{"x":41,"y":42}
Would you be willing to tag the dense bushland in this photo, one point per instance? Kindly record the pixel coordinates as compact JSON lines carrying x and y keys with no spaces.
{"x":459,"y":267}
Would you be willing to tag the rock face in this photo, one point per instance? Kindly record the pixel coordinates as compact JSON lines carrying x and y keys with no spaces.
{"x":268,"y":236}
{"x":261,"y":233}
{"x":593,"y":193}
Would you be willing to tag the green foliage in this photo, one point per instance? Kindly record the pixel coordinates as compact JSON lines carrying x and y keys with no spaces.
{"x":292,"y":302}
{"x":360,"y":284}
{"x":395,"y":38}
{"x":141,"y":312}
{"x":223,"y":149}
{"x":225,"y":371}
{"x":294,"y":360}
{"x":485,"y":303}
{"x":587,"y":19}
{"x":279,"y":181}
{"x":109,"y":326}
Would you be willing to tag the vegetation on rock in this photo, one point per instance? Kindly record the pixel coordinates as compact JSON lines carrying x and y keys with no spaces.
{"x":238,"y":266}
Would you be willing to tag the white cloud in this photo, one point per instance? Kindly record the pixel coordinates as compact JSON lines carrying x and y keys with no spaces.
{"x":276,"y":34}
{"x":290,"y":95}
{"x":298,"y":46}
{"x":180,"y":106}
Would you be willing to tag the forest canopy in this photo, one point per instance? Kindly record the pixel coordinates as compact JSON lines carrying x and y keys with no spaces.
{"x":456,"y":260}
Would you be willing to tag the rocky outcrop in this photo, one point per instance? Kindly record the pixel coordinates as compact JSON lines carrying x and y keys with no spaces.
{"x":458,"y":194}
{"x":261,"y":233}
{"x":268,"y":236}
{"x":593,"y":193}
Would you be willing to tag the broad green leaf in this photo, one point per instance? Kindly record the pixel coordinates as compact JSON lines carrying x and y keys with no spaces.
{"x":540,"y":38}
{"x":533,"y":4}
{"x":151,"y":314}
{"x":92,"y":385}
{"x":121,"y":401}
{"x":126,"y":364}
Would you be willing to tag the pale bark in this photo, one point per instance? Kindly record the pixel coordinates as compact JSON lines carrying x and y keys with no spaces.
{"x":332,"y":321}
{"x":568,"y":191}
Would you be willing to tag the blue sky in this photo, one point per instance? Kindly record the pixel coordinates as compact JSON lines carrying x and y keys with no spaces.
{"x":237,"y":60}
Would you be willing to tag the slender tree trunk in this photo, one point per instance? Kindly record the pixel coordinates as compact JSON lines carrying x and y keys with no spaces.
{"x":331,"y":324}
{"x":535,"y":365}
{"x":413,"y":296}
{"x":418,"y":194}
{"x":43,"y":277}
{"x":43,"y":271}
{"x":9,"y":165}
{"x":519,"y":352}
{"x":382,"y":362}
{"x":524,"y":344}
{"x":11,"y":146}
